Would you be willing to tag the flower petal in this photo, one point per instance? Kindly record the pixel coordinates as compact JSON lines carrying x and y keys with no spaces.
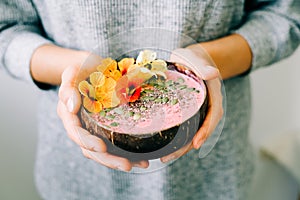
{"x":124,"y":64}
{"x":136,"y":95}
{"x":132,"y":67}
{"x":145,"y":57}
{"x":107,"y":63}
{"x":115,"y":74}
{"x":139,"y":75}
{"x":160,"y":73}
{"x":86,"y":89}
{"x":92,"y":106}
{"x":121,"y":86}
{"x":109,"y":84}
{"x":159,"y":65}
{"x":97,"y":79}
{"x":110,"y":100}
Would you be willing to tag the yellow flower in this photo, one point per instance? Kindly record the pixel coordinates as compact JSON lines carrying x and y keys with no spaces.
{"x":119,"y":82}
{"x":125,"y":64}
{"x":148,"y":59}
{"x":109,"y":68}
{"x":92,"y":105}
{"x":106,"y":94}
{"x":158,"y":67}
{"x":89,"y":101}
{"x":145,"y":57}
{"x":99,"y":94}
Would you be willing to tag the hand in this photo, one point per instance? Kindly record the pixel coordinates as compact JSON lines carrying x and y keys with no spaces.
{"x":195,"y":58}
{"x":69,"y":104}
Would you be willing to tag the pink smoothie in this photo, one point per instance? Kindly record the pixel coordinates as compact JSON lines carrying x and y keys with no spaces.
{"x":170,"y":105}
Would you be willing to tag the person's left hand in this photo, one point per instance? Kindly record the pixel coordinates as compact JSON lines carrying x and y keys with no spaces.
{"x":197,"y":60}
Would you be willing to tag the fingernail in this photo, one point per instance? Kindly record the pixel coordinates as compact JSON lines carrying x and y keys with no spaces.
{"x":210,"y":69}
{"x":70,"y":104}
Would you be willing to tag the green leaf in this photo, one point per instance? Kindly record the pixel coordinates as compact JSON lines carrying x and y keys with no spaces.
{"x":136,"y":116}
{"x":114,"y":124}
{"x":174,"y":101}
{"x":102,"y":113}
{"x":110,"y":117}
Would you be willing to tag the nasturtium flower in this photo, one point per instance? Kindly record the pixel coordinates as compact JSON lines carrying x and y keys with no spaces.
{"x":145,"y":57}
{"x":97,"y":79}
{"x":128,"y":87}
{"x":99,"y":94}
{"x":86,"y":89}
{"x":92,"y":105}
{"x":159,"y":67}
{"x":148,"y":59}
{"x":106,"y":94}
{"x":108,"y":86}
{"x":109,"y":68}
{"x":108,"y":100}
{"x":89,"y":101}
{"x":125,"y":64}
{"x":120,"y":82}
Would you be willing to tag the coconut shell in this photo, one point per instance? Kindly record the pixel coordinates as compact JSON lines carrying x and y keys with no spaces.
{"x":151,"y":145}
{"x":147,"y":146}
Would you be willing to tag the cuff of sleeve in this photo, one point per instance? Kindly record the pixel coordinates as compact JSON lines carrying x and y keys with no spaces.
{"x":261,"y":39}
{"x":18,"y":56}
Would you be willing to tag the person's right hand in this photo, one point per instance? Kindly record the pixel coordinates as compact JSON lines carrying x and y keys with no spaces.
{"x":68,"y":106}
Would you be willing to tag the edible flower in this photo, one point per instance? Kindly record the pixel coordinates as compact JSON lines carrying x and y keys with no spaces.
{"x":99,"y":94}
{"x":125,"y":64}
{"x":120,"y":82}
{"x":109,"y":68}
{"x":129,"y":87}
{"x":148,"y":59}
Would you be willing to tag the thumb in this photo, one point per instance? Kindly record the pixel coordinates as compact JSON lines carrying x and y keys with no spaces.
{"x":68,"y":92}
{"x":208,"y":72}
{"x":200,"y":66}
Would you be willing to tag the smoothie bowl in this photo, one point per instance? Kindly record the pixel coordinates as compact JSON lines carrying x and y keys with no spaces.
{"x":143,"y":108}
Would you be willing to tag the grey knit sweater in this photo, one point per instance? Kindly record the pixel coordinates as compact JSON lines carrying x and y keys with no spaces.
{"x":271,"y":28}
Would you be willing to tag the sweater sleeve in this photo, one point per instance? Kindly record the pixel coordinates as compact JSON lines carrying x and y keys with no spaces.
{"x":20,"y":35}
{"x":272,"y":30}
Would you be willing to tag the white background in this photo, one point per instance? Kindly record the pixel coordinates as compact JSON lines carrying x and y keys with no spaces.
{"x":276,"y":110}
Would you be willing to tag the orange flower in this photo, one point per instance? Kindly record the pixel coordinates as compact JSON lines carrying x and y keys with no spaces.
{"x":109,"y":68}
{"x":121,"y":82}
{"x":99,"y":94}
{"x":129,"y":86}
{"x":125,"y":64}
{"x":106,"y":94}
{"x":92,"y":105}
{"x":89,"y":101}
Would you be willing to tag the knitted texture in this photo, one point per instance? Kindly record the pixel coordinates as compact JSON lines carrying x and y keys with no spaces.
{"x":62,"y":172}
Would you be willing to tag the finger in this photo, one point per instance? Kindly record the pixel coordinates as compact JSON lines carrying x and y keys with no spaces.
{"x":177,"y":153}
{"x":199,"y":65}
{"x":69,"y":76}
{"x":70,"y":97}
{"x":79,"y":135}
{"x":108,"y":160}
{"x":214,"y":113}
{"x":69,"y":119}
{"x":203,"y":132}
{"x":68,"y":92}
